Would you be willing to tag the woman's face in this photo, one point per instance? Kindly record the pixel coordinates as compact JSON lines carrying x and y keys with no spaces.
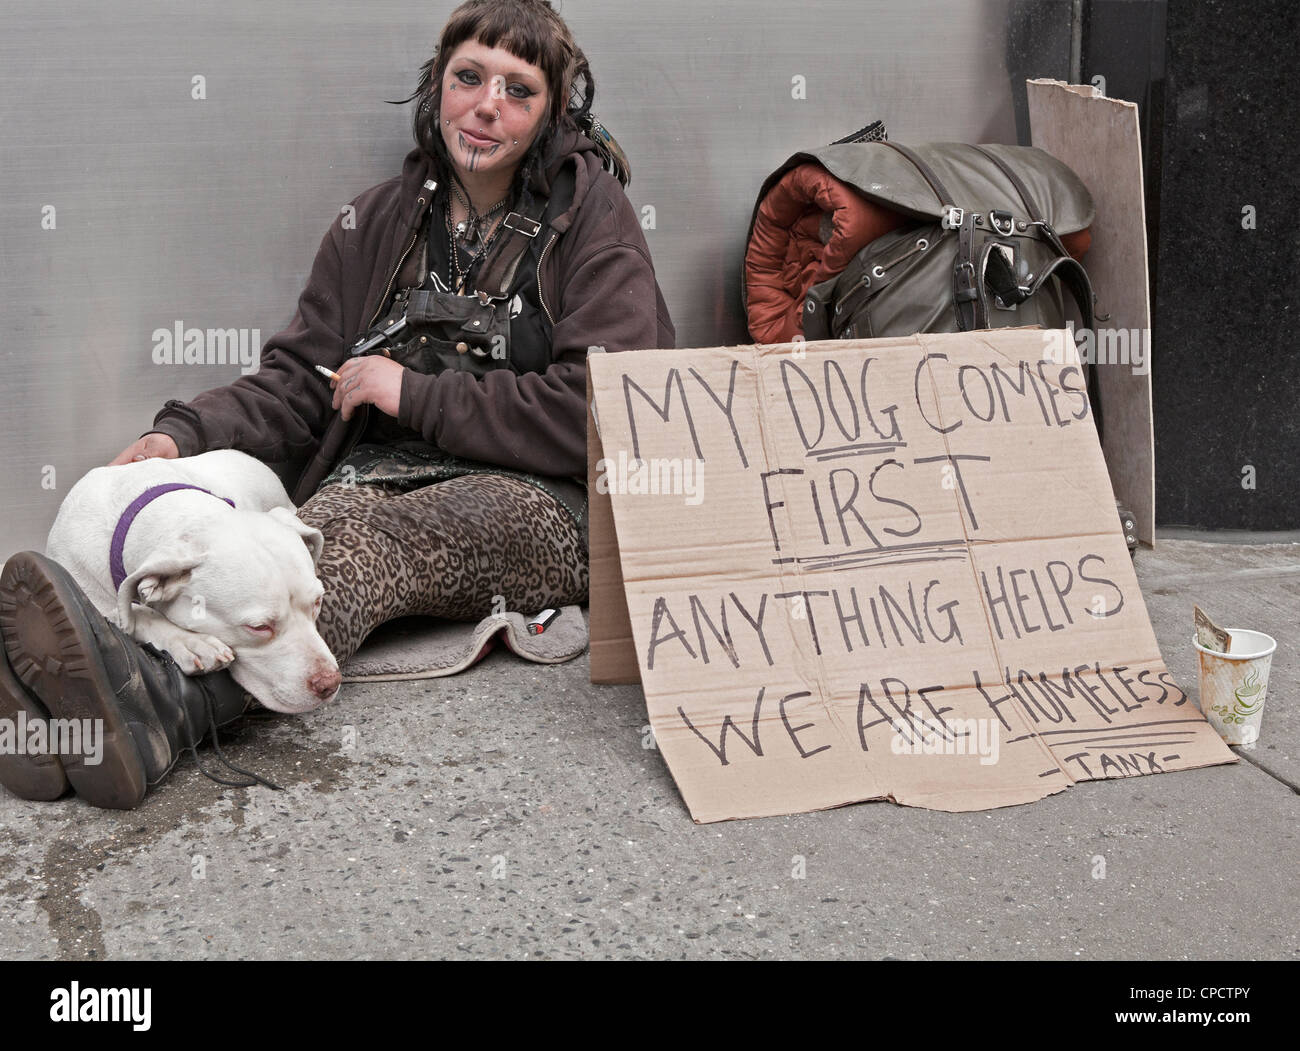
{"x":493,"y":105}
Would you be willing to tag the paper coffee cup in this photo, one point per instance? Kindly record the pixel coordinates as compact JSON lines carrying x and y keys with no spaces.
{"x":1233,"y":685}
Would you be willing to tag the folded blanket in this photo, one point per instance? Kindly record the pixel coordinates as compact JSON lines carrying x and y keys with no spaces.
{"x":808,"y":228}
{"x":428,"y":648}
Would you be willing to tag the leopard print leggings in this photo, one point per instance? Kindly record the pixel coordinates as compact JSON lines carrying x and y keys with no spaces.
{"x":444,"y":550}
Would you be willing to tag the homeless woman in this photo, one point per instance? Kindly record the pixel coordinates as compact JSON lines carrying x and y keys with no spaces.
{"x":444,"y":465}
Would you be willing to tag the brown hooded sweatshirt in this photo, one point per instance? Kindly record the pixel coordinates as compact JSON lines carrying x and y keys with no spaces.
{"x":597,"y":286}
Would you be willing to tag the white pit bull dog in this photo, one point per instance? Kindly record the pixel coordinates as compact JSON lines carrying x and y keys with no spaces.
{"x":160,"y":551}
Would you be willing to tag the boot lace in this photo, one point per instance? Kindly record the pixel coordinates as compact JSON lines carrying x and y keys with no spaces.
{"x":195,"y":739}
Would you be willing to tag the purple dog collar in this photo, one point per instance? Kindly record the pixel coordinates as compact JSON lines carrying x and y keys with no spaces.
{"x":115,"y":564}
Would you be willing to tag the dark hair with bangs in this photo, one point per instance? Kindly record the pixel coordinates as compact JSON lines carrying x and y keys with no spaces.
{"x":531,"y":31}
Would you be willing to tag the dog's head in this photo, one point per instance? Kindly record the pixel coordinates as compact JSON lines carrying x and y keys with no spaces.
{"x":252,"y":584}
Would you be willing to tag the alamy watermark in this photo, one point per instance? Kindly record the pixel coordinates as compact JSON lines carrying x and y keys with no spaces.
{"x":1101,"y":346}
{"x":24,"y":736}
{"x":179,"y":345}
{"x":981,"y":737}
{"x":93,"y":1004}
{"x":657,"y":476}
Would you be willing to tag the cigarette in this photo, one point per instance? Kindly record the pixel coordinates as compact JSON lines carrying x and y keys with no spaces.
{"x":326,"y":372}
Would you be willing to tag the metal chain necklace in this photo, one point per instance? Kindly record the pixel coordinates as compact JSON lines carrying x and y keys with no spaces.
{"x":463,"y":235}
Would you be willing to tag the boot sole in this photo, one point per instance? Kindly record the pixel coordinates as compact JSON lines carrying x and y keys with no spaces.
{"x":53,"y":651}
{"x":26,"y":776}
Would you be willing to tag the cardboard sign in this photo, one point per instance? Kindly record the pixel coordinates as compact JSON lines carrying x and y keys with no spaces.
{"x":880,"y":569}
{"x":1098,"y":137}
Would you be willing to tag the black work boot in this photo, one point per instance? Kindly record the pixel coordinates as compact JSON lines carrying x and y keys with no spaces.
{"x":27,"y":775}
{"x":82,"y":666}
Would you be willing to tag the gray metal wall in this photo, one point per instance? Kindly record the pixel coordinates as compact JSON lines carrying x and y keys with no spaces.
{"x":127,"y":205}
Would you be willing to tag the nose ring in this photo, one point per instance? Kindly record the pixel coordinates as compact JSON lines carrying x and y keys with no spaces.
{"x":498,"y":116}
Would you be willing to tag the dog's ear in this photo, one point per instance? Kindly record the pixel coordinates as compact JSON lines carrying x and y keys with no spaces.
{"x":312,"y":537}
{"x":158,"y":579}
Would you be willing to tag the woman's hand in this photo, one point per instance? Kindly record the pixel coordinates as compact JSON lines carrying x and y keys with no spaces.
{"x":369,"y":380}
{"x":146,"y":448}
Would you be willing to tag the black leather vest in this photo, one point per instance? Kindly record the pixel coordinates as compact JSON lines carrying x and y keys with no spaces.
{"x":464,"y":333}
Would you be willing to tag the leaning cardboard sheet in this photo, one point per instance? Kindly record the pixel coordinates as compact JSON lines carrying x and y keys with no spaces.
{"x":880,"y":569}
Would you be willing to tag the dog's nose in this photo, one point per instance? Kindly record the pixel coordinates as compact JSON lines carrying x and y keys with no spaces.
{"x":325,"y":684}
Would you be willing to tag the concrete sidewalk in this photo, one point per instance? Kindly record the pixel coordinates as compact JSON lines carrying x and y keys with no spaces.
{"x":512,"y":812}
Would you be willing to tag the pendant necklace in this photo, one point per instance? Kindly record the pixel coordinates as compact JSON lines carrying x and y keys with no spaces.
{"x":467,"y":236}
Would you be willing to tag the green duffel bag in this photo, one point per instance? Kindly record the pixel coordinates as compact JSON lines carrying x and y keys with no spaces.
{"x":984,"y":251}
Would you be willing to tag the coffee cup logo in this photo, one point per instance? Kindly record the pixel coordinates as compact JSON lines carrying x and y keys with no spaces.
{"x":1245,"y":697}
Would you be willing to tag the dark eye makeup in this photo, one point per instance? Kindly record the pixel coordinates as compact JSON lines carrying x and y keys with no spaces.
{"x":471,"y":79}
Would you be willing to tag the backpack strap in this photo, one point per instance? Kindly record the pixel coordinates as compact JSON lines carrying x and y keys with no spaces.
{"x":967,"y":293}
{"x":519,"y":230}
{"x":966,"y":290}
{"x":1067,"y":269}
{"x":927,"y":173}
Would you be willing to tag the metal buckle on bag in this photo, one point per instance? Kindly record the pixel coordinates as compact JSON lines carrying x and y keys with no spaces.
{"x":965,"y":282}
{"x":522,"y":224}
{"x":1016,"y":265}
{"x":953,"y":217}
